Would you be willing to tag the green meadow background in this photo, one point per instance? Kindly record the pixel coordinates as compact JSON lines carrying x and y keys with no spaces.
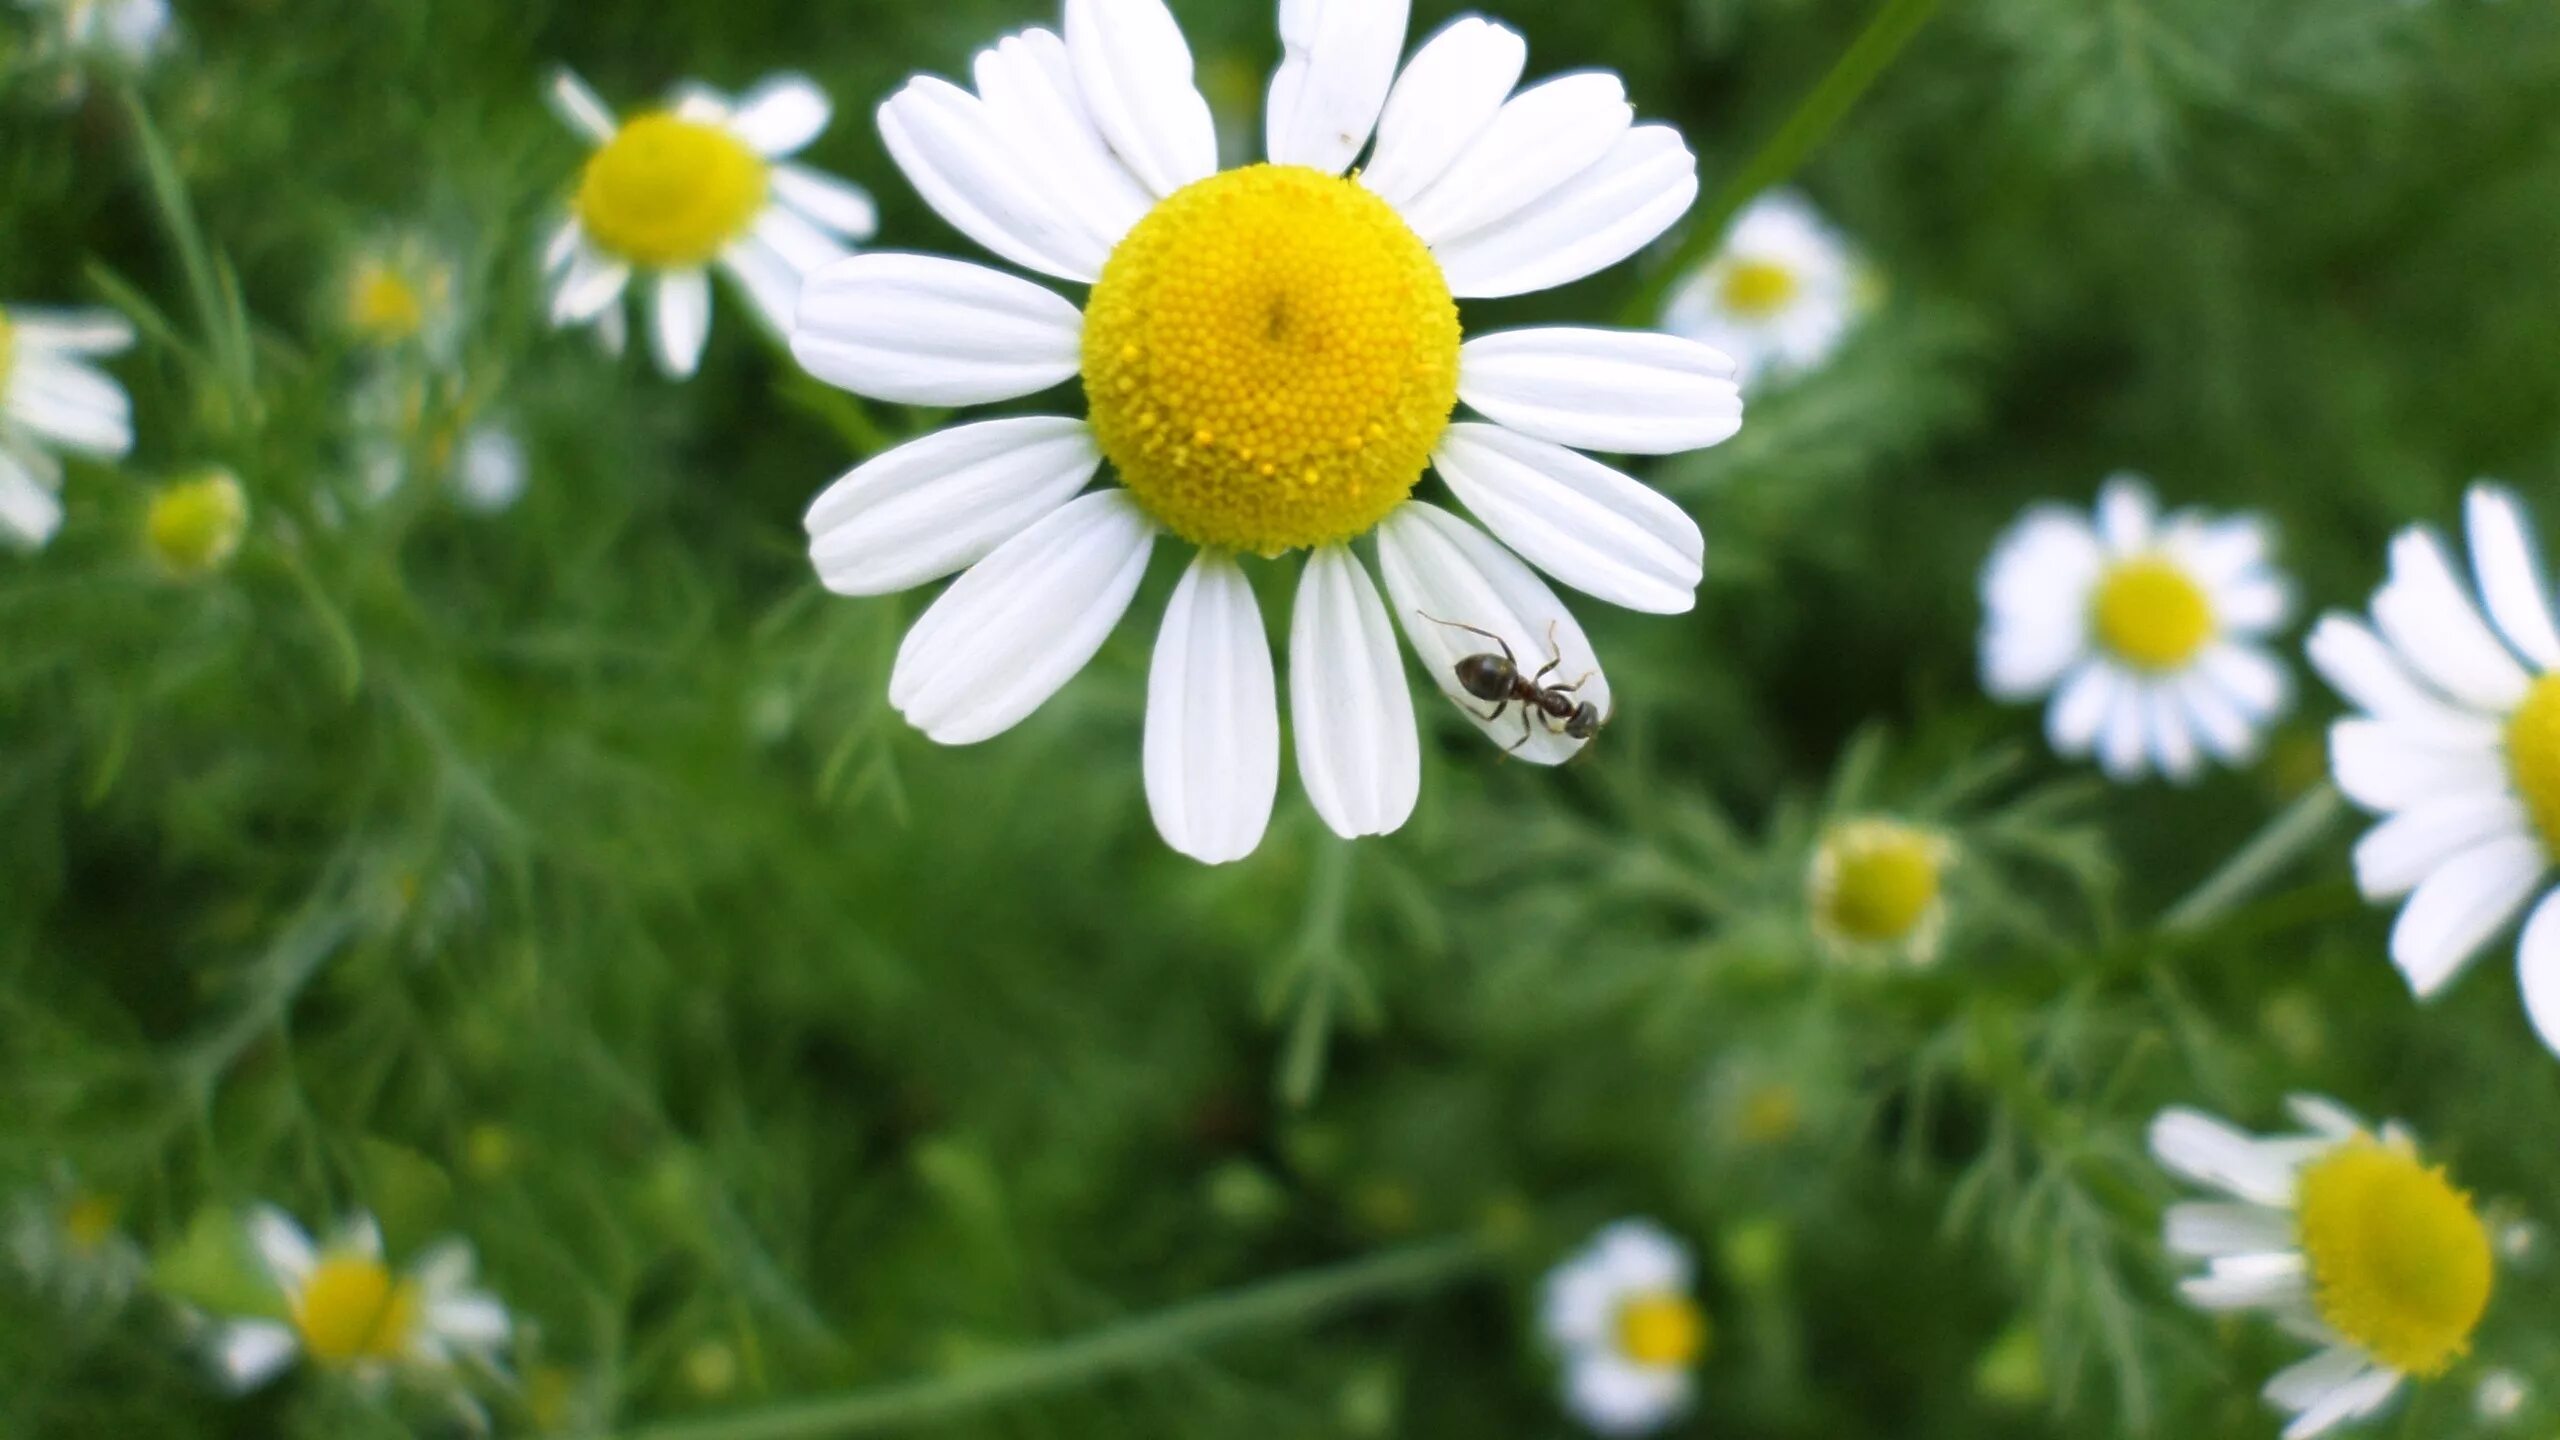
{"x":560,"y":879}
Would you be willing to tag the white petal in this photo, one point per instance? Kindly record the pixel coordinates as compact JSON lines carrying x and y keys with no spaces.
{"x":937,"y":505}
{"x":254,"y":1352}
{"x":360,"y":1234}
{"x":2213,"y":1230}
{"x":2126,"y":515}
{"x":1135,"y":70}
{"x":72,"y":404}
{"x":772,"y":285}
{"x":2538,"y":969}
{"x":1578,"y":1304}
{"x":1614,"y":1397}
{"x":1020,"y":624}
{"x":1626,"y":392}
{"x":2250,"y":676}
{"x":578,"y":106}
{"x":921,"y":330}
{"x":1029,"y":84}
{"x":839,"y":205}
{"x":1442,"y":103}
{"x":701,"y":104}
{"x":1575,"y":518}
{"x":591,"y":283}
{"x":1359,"y":755}
{"x":444,"y":1271}
{"x":1436,"y":563}
{"x":2456,"y":910}
{"x":282,"y":1247}
{"x":2385,"y":766}
{"x":2173,"y":744}
{"x":953,"y":153}
{"x":801,"y":244}
{"x":613,"y":331}
{"x":2224,"y":729}
{"x":2439,"y":631}
{"x":2325,"y":1118}
{"x":2251,"y":1282}
{"x":2510,"y":570}
{"x":2351,"y":1401}
{"x":473,"y":1322}
{"x":2302,"y":1385}
{"x":2080,"y":709}
{"x":70,"y":332}
{"x":2253,"y":604}
{"x":2043,"y":566}
{"x":2124,"y":747}
{"x":1641,"y":1256}
{"x":567,"y":239}
{"x":1338,"y":58}
{"x":781,"y":116}
{"x":2360,"y":666}
{"x":1213,"y":725}
{"x":1541,"y":138}
{"x":2209,"y":1151}
{"x":2404,"y":850}
{"x":1589,"y":223}
{"x":29,"y":511}
{"x":683,"y":321}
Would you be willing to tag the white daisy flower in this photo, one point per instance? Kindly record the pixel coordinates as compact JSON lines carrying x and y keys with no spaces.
{"x":2457,"y":743}
{"x":123,"y":32}
{"x":1270,"y":357}
{"x":70,"y":1240}
{"x":1877,"y":889}
{"x":54,"y":399}
{"x":707,"y":181}
{"x":347,"y":1309}
{"x":2346,"y":1238}
{"x":2146,"y":630}
{"x":1621,"y":1317}
{"x":1781,"y":294}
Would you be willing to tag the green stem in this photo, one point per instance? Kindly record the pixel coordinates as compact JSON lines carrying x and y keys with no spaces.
{"x":1289,"y":1303}
{"x":2303,"y":825}
{"x":1866,"y":60}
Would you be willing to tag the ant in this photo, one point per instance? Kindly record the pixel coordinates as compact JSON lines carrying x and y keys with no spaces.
{"x":1497,"y":678}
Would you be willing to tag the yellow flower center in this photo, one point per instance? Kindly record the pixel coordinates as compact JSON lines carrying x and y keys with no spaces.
{"x":383,"y":306}
{"x":1270,"y":358}
{"x":194,"y":527}
{"x":89,"y":1221}
{"x":2533,"y":756}
{"x":670,"y":193}
{"x":2399,"y":1260}
{"x":1662,"y":1330}
{"x":2151,"y":615}
{"x":1758,"y":289}
{"x":1877,"y":880}
{"x":353,"y":1308}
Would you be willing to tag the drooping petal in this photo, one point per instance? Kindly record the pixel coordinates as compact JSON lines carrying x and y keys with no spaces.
{"x":1575,"y":518}
{"x":2251,"y":677}
{"x":1338,"y":59}
{"x":2173,"y":742}
{"x":2353,"y":1400}
{"x":2080,"y":708}
{"x":253,"y":1352}
{"x":2440,"y":632}
{"x":958,"y":160}
{"x":1020,"y":624}
{"x":935,"y":506}
{"x":1359,"y":754}
{"x":2226,"y":732}
{"x":1626,"y":392}
{"x":771,"y":282}
{"x":2510,"y":570}
{"x":29,"y":510}
{"x":2456,"y":910}
{"x":2124,"y":747}
{"x":1591,"y":222}
{"x":1213,"y":724}
{"x":578,"y":107}
{"x":1029,"y":84}
{"x":592,"y":282}
{"x":683,"y":321}
{"x":922,"y":330}
{"x":1614,"y":1397}
{"x":1444,"y":100}
{"x":1440,"y":567}
{"x":1135,"y":71}
{"x":2538,"y":969}
{"x":781,"y":116}
{"x":838,"y":205}
{"x":1541,"y":138}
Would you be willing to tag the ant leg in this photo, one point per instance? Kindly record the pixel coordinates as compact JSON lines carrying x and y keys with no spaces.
{"x":1576,"y":685}
{"x":1496,"y":713}
{"x":1555,"y":656}
{"x":1476,"y":629}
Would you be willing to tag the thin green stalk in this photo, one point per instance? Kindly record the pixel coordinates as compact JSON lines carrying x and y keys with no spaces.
{"x":1295,"y":1302}
{"x":1865,"y":61}
{"x":2286,"y":840}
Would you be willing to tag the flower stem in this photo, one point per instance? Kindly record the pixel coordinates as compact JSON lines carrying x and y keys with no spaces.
{"x":1288,"y":1303}
{"x":1865,"y":61}
{"x":2304,"y":824}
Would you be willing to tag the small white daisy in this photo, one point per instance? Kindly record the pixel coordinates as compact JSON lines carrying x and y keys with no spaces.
{"x":2146,"y":630}
{"x":346,"y":1309}
{"x":2346,"y":1238}
{"x":2457,"y":743}
{"x":707,"y":181}
{"x":129,"y":33}
{"x":400,"y":289}
{"x":490,"y":470}
{"x":1270,"y":358}
{"x":53,"y":398}
{"x":1622,"y":1319}
{"x":1877,"y":889}
{"x":70,"y":1241}
{"x":1779,"y":297}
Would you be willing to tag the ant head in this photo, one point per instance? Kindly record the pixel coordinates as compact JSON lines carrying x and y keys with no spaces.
{"x":1488,"y":677}
{"x":1586,"y":722}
